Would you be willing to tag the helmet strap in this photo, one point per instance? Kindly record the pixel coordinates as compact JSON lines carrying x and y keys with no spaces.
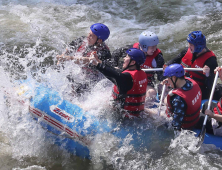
{"x":128,"y":66}
{"x":174,"y":83}
{"x":96,"y":43}
{"x":142,"y":50}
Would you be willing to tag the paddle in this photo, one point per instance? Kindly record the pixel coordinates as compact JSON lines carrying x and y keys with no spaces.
{"x":161,"y":98}
{"x":161,"y":69}
{"x":203,"y":130}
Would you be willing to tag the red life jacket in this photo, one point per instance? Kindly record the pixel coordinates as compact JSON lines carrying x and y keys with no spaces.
{"x":192,"y":98}
{"x":136,"y":45}
{"x":198,"y":76}
{"x":133,"y":101}
{"x":148,"y":63}
{"x":82,"y":47}
{"x":218,"y":109}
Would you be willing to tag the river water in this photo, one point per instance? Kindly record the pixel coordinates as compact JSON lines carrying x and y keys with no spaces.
{"x":33,"y":32}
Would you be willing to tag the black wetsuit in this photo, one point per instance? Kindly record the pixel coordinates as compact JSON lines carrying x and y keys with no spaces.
{"x":123,"y":81}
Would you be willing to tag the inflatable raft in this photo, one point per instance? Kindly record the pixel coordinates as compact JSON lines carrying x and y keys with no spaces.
{"x":76,"y":130}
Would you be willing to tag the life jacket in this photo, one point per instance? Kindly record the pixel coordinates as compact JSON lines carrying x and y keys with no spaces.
{"x":198,"y":76}
{"x":216,"y":125}
{"x":218,"y":109}
{"x":133,"y":101}
{"x":192,"y":98}
{"x":148,"y":62}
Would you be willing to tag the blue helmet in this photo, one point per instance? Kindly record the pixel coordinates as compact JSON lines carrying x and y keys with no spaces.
{"x":136,"y":55}
{"x":198,"y":40}
{"x":174,"y":70}
{"x":100,"y":30}
{"x":147,"y":39}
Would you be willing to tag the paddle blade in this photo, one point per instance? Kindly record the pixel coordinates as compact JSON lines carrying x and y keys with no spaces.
{"x":201,"y":136}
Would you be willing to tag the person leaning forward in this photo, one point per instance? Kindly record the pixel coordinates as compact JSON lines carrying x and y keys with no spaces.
{"x":197,"y":55}
{"x":130,"y":84}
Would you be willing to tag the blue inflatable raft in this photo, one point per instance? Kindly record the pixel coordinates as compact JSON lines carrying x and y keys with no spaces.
{"x":76,"y":129}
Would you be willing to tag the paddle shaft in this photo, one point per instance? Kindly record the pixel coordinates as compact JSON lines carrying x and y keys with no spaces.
{"x":161,"y":69}
{"x":211,"y":97}
{"x":161,"y":98}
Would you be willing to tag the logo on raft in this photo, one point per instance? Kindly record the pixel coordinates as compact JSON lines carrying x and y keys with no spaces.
{"x":63,"y":114}
{"x":59,"y":126}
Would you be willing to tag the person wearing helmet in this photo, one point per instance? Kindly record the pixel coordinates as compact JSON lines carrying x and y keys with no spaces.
{"x":148,"y":42}
{"x":80,"y":50}
{"x":197,"y":55}
{"x":154,"y":59}
{"x":184,"y":100}
{"x":130,"y":83}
